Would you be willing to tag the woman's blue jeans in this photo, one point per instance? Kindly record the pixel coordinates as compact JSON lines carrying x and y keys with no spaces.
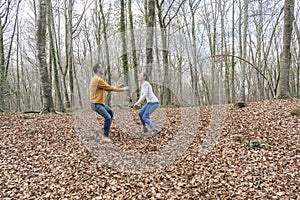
{"x":145,"y":113}
{"x":107,"y":113}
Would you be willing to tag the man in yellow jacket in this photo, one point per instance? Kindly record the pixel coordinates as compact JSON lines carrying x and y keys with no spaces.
{"x":97,"y":98}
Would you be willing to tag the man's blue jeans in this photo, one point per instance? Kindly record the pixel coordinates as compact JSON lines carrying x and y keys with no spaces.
{"x":107,"y":113}
{"x":145,"y":113}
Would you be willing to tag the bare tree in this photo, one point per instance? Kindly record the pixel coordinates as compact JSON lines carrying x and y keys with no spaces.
{"x":194,"y":65}
{"x":124,"y":55}
{"x":150,"y":18}
{"x":232,"y":53}
{"x":298,"y":61}
{"x":7,"y":8}
{"x":165,"y":18}
{"x":134,"y":54}
{"x":54,"y":56}
{"x":244,"y":50}
{"x":260,"y":80}
{"x":69,"y":49}
{"x":41,"y":47}
{"x":103,"y":21}
{"x":285,"y":58}
{"x":3,"y":80}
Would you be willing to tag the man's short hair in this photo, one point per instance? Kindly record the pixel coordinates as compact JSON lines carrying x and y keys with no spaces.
{"x":95,"y":67}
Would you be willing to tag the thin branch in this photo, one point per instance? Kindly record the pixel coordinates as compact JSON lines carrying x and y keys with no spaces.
{"x":246,"y":61}
{"x":12,"y":39}
{"x":176,"y":12}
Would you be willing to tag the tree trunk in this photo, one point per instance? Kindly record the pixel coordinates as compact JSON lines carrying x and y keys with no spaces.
{"x":41,"y":47}
{"x":69,"y":38}
{"x":195,"y":76}
{"x":150,"y":17}
{"x":134,"y":57}
{"x":3,"y":80}
{"x":224,"y":64}
{"x":232,"y":53}
{"x":107,"y":54}
{"x":244,"y":50}
{"x":298,"y":61}
{"x":18,"y":90}
{"x":65,"y":71}
{"x":285,"y":58}
{"x":260,"y":80}
{"x":124,"y":48}
{"x":53,"y":51}
{"x":212,"y":37}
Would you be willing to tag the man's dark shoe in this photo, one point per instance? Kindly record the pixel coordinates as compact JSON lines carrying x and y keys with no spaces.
{"x":145,"y":130}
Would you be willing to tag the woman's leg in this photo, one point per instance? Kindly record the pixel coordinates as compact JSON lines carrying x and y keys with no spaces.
{"x":148,"y":111}
{"x":141,"y":113}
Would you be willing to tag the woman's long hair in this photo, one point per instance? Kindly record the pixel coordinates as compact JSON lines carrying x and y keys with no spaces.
{"x":146,"y":77}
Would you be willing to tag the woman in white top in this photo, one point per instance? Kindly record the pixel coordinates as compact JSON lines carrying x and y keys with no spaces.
{"x":150,"y":106}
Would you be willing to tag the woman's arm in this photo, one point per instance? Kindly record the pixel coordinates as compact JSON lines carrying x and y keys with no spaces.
{"x":144,"y":90}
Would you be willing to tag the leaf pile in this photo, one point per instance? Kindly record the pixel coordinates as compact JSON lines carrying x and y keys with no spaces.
{"x":44,"y":157}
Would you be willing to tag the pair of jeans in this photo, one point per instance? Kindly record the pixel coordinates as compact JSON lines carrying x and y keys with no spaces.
{"x":145,"y":113}
{"x":107,"y":113}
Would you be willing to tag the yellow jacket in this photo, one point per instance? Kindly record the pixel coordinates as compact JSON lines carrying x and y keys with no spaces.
{"x":97,"y":90}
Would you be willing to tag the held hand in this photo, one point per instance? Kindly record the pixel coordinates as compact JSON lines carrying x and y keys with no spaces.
{"x":135,"y":106}
{"x":126,"y":88}
{"x":122,"y":85}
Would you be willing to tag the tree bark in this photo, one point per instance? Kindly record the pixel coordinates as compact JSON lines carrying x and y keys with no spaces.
{"x":124,"y":48}
{"x":233,"y":52}
{"x":51,"y":30}
{"x":298,"y":61}
{"x":150,"y":17}
{"x":285,"y":58}
{"x":69,"y":49}
{"x":194,"y":65}
{"x":244,"y":50}
{"x":107,"y":54}
{"x":260,"y":81}
{"x":3,"y":80}
{"x":41,"y":47}
{"x":134,"y":56}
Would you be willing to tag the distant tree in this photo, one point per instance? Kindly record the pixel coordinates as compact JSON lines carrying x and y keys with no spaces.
{"x":6,"y":9}
{"x":244,"y":50}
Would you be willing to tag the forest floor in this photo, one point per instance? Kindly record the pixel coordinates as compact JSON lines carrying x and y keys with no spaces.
{"x":246,"y":153}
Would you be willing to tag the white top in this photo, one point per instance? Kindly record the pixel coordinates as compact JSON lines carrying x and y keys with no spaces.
{"x":147,"y":93}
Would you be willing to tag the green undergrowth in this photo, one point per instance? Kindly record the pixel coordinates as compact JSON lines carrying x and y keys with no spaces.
{"x":252,"y":143}
{"x":295,"y":112}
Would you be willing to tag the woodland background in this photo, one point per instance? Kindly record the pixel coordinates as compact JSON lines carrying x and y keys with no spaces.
{"x":198,"y":52}
{"x":249,"y":49}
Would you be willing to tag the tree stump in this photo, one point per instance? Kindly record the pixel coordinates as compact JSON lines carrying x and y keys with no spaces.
{"x":240,"y":105}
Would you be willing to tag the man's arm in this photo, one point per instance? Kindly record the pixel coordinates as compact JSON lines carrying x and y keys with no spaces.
{"x":102,"y":84}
